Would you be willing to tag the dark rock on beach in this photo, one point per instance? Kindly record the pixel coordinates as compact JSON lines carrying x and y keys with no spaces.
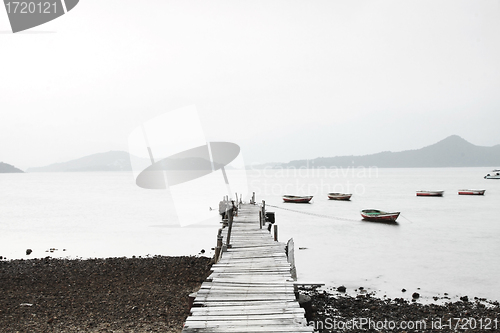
{"x":341,"y":289}
{"x":349,"y":313}
{"x":98,"y":295}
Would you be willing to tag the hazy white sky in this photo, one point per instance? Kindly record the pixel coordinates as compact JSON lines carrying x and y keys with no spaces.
{"x":283,"y":79}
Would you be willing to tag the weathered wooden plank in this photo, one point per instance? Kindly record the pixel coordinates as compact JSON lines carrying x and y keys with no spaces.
{"x":247,"y":317}
{"x":247,"y":323}
{"x":256,"y":329}
{"x":254,"y":320}
{"x":256,"y":270}
{"x":253,"y":262}
{"x":271,"y":278}
{"x":228,"y":289}
{"x":233,"y":282}
{"x":241,"y":289}
{"x":244,"y":330}
{"x":250,"y":310}
{"x":245,"y":297}
{"x":246,"y":292}
{"x":254,"y":303}
{"x":262,"y":275}
{"x":273,"y":304}
{"x":232,"y":258}
{"x":213,"y":296}
{"x":257,"y":266}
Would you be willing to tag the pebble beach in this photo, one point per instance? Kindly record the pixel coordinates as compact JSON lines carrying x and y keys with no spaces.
{"x":332,"y":311}
{"x":98,"y":295}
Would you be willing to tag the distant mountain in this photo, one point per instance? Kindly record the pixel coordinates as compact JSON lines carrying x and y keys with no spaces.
{"x":450,"y":152}
{"x":7,"y":168}
{"x":110,"y":161}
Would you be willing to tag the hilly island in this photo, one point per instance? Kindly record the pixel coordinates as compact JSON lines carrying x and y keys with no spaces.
{"x":450,"y":152}
{"x":7,"y":168}
{"x":109,"y":161}
{"x":453,"y":151}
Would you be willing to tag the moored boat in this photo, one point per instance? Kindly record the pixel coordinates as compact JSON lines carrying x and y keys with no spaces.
{"x":495,"y":174}
{"x":376,"y":215}
{"x":297,"y":198}
{"x":339,"y":196}
{"x":430,"y":193}
{"x":471,"y":192}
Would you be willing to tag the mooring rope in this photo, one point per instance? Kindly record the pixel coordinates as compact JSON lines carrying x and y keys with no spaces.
{"x":406,"y":218}
{"x":314,"y":214}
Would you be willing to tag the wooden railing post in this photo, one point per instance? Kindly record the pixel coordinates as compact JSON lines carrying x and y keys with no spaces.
{"x":218,"y":248}
{"x":230,"y":223}
{"x":290,"y":256}
{"x":263,"y":211}
{"x":234,"y":207}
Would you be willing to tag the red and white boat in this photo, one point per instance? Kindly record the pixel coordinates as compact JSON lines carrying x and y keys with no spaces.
{"x":376,"y":215}
{"x":430,"y":193}
{"x":339,"y":196}
{"x":471,"y":192}
{"x":297,"y":198}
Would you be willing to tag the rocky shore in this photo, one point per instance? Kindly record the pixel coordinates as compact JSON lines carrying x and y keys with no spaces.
{"x":152,"y":295}
{"x":332,"y":311}
{"x":98,"y":295}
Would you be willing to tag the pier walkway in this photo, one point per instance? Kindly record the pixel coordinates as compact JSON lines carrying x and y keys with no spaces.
{"x":250,"y":289}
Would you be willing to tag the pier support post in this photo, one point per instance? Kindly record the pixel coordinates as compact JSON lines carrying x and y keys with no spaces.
{"x":218,"y":248}
{"x":230,"y":227}
{"x":263,"y":212}
{"x":290,"y":256}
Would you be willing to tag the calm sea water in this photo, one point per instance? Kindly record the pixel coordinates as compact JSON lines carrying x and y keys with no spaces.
{"x":102,"y":214}
{"x":440,"y":245}
{"x":446,"y":244}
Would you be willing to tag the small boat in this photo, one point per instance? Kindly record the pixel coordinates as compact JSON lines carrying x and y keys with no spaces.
{"x":297,"y":198}
{"x":430,"y":193}
{"x":339,"y":196}
{"x":375,"y":215}
{"x":471,"y":192}
{"x":495,"y":174}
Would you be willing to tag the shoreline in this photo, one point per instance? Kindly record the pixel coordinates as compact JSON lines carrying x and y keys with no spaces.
{"x":151,"y":294}
{"x":331,"y":311}
{"x":424,"y":296}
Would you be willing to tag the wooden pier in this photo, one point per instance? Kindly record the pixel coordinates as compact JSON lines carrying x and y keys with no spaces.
{"x":251,"y":288}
